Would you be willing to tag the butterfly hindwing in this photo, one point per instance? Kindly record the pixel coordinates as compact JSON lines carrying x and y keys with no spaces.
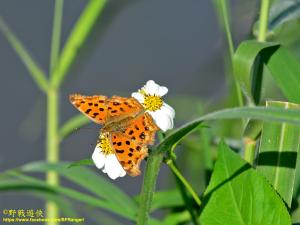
{"x":128,"y":152}
{"x":142,"y":129}
{"x":93,"y":107}
{"x":131,"y":147}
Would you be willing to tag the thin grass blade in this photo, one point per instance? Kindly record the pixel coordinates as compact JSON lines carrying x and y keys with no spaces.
{"x":56,"y":32}
{"x":25,"y":182}
{"x":83,"y":162}
{"x":72,"y":125}
{"x":88,"y":180}
{"x":76,"y":39}
{"x":33,"y":68}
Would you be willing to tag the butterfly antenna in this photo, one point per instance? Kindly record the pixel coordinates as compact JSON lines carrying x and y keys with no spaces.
{"x":86,"y":128}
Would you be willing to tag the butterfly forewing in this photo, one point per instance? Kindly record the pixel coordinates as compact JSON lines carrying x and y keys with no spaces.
{"x":120,"y":108}
{"x":93,"y":107}
{"x":102,"y":110}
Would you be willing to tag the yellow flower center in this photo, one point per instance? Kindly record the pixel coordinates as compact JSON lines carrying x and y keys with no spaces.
{"x":152,"y":102}
{"x":104,"y":144}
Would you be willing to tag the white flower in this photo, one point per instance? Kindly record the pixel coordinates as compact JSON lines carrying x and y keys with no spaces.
{"x":105,"y":159}
{"x":150,"y":96}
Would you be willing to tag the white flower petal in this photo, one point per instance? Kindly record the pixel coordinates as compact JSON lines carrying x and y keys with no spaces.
{"x":163,"y":121}
{"x":138,"y":96}
{"x":165,"y":115}
{"x":162,"y":91}
{"x":122,"y":173}
{"x":112,"y":167}
{"x":168,"y":110}
{"x":98,"y":158}
{"x":151,"y":87}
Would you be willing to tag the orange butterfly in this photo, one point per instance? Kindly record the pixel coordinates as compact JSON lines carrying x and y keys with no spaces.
{"x":127,"y":128}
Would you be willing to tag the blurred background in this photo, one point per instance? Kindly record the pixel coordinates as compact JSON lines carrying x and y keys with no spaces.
{"x":179,"y":44}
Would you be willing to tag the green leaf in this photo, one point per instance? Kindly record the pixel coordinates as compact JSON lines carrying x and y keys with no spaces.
{"x":285,"y":70}
{"x":287,"y":34}
{"x":248,"y":62}
{"x":206,"y":152}
{"x":64,"y":204}
{"x":239,"y":195}
{"x":251,"y":133}
{"x":281,"y":13}
{"x":30,"y":183}
{"x":100,"y":217}
{"x":72,"y":125}
{"x":153,"y":221}
{"x":297,"y":180}
{"x":278,"y":150}
{"x":76,"y":39}
{"x":296,"y":213}
{"x":56,"y":32}
{"x":34,"y":69}
{"x":185,"y":189}
{"x":274,"y":114}
{"x":223,"y":12}
{"x":83,"y":162}
{"x":166,"y":199}
{"x":177,"y":218}
{"x":44,"y":190}
{"x":170,"y":142}
{"x":89,"y":180}
{"x":253,"y":129}
{"x":284,"y":67}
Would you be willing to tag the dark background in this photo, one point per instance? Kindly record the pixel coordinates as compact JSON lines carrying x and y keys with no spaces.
{"x":177,"y":43}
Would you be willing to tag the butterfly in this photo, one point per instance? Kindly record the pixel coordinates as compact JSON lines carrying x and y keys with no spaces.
{"x":126,"y":125}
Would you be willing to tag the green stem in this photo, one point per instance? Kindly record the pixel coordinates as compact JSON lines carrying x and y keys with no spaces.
{"x":206,"y":152}
{"x":184,"y":182}
{"x":55,"y":43}
{"x":225,"y":18}
{"x":148,"y":187}
{"x":186,"y":199}
{"x":263,"y":20}
{"x":224,"y":13}
{"x":52,"y":155}
{"x":250,"y":147}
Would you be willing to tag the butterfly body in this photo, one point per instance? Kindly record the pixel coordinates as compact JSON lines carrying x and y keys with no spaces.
{"x":127,"y":128}
{"x":118,"y":125}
